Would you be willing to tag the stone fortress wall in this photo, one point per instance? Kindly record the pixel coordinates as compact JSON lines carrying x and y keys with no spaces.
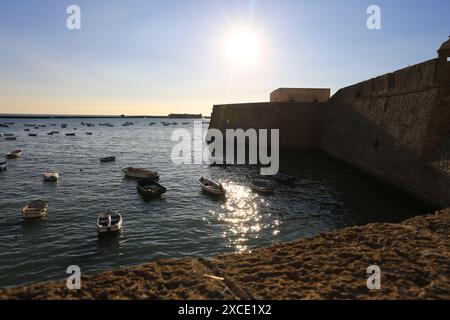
{"x":395,"y":127}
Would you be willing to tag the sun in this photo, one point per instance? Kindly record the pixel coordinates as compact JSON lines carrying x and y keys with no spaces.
{"x":243,"y":47}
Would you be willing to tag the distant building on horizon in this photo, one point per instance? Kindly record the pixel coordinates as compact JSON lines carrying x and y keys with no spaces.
{"x":300,"y":95}
{"x":185,"y":116}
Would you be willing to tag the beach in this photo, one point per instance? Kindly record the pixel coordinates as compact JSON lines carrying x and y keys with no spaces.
{"x":414,"y":258}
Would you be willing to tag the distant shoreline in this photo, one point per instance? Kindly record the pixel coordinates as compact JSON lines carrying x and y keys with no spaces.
{"x":40,"y":116}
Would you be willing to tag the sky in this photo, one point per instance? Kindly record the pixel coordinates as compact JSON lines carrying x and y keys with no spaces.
{"x":145,"y":57}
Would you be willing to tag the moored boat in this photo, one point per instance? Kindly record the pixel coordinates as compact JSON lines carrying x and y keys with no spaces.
{"x":51,"y":176}
{"x":147,"y":187}
{"x":35,"y":209}
{"x":32,"y":134}
{"x":108,"y":159}
{"x":108,"y":222}
{"x":137,"y":173}
{"x":70,"y":134}
{"x":14,"y":155}
{"x":261,"y":186}
{"x":3,"y":166}
{"x":10,"y":138}
{"x":211,"y":186}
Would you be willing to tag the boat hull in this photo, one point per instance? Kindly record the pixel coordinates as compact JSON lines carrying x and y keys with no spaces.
{"x":34,"y":214}
{"x":105,"y":224}
{"x":133,"y":173}
{"x":211,"y":187}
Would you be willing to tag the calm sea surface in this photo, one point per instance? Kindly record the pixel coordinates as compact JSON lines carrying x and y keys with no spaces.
{"x":186,"y":222}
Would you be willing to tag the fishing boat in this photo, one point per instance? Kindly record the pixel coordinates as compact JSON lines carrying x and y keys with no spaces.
{"x":14,"y":155}
{"x":70,"y":134}
{"x":108,"y":222}
{"x":261,"y":186}
{"x":147,"y":187}
{"x":211,"y":186}
{"x":108,"y":159}
{"x":35,"y":209}
{"x":51,"y":176}
{"x":3,"y":166}
{"x":137,"y":173}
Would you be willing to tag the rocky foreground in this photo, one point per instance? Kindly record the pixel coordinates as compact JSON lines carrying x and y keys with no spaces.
{"x":414,"y":257}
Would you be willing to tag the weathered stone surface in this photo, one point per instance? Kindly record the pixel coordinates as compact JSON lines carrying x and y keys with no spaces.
{"x":414,"y":257}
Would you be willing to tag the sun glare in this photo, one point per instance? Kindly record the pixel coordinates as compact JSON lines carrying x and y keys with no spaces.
{"x":243,"y":47}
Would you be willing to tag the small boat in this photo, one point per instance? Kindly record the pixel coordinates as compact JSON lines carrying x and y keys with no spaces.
{"x":89,"y":133}
{"x":55,"y":132}
{"x":63,"y":126}
{"x":108,"y":222}
{"x":14,"y":155}
{"x":70,"y":134}
{"x":3,"y":166}
{"x":10,"y":138}
{"x":49,"y":133}
{"x":26,"y":130}
{"x":261,"y":186}
{"x":108,"y":159}
{"x":211,"y":186}
{"x":9,"y":135}
{"x":147,"y":187}
{"x":51,"y":176}
{"x":137,"y":173}
{"x":32,"y":134}
{"x":35,"y":209}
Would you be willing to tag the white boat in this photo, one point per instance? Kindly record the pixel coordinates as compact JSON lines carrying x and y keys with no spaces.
{"x":14,"y":155}
{"x":110,"y":221}
{"x":35,"y":209}
{"x":211,"y":186}
{"x":3,"y":166}
{"x":137,"y":173}
{"x":51,"y":176}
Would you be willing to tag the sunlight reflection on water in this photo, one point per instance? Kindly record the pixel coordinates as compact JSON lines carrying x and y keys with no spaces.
{"x":241,"y":215}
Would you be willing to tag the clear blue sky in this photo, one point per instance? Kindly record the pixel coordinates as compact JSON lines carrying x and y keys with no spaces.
{"x":157,"y":57}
